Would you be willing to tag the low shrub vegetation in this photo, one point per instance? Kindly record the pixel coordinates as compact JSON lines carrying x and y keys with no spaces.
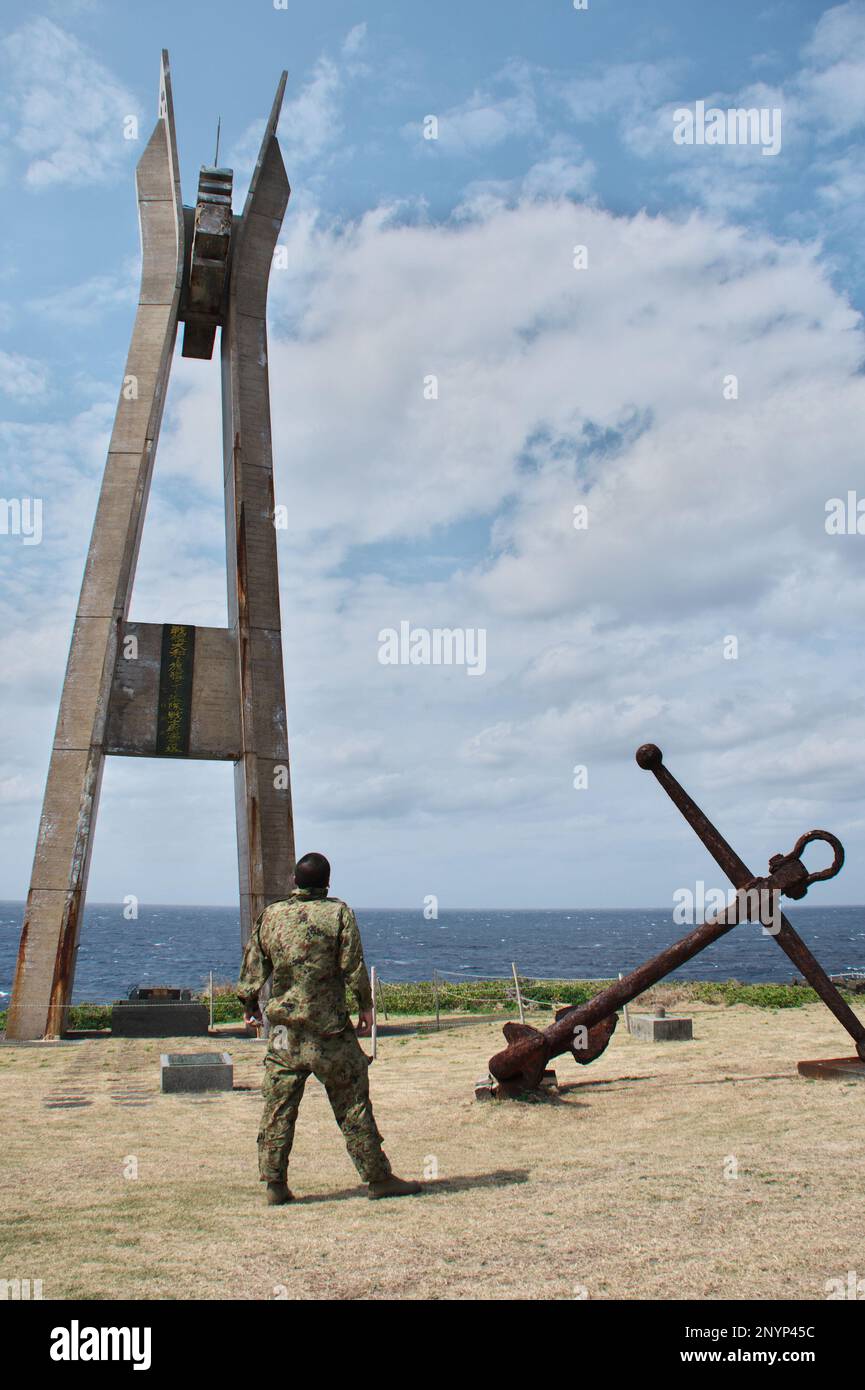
{"x":418,"y":997}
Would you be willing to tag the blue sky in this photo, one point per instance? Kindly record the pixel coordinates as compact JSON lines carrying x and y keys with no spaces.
{"x":558,"y":387}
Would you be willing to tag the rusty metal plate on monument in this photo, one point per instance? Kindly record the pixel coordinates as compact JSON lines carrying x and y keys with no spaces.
{"x":833,"y":1069}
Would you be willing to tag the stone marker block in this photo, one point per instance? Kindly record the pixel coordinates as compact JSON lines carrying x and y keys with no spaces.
{"x":196,"y":1071}
{"x":833,"y":1069}
{"x":664,"y":1028}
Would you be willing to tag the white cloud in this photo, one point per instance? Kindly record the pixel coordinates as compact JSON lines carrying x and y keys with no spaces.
{"x":621,"y":91}
{"x":78,"y":305}
{"x":312,"y":121}
{"x":556,"y":176}
{"x":506,"y":109}
{"x":311,"y":124}
{"x":844,"y":186}
{"x":819,"y":101}
{"x":66,"y":108}
{"x":832,"y":82}
{"x":355,"y":40}
{"x":21,"y":376}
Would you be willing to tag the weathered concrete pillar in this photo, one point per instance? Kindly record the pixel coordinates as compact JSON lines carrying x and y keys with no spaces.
{"x":49,"y":938}
{"x":171,"y":690}
{"x":261,"y":775}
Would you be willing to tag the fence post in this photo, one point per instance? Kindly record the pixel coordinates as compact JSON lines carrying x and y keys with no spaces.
{"x":381,"y":995}
{"x":517,"y":988}
{"x":374,"y":982}
{"x":625,"y":1012}
{"x":435,"y":981}
{"x":211,"y":998}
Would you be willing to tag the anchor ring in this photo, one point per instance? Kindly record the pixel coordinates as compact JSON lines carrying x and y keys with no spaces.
{"x":834,"y":844}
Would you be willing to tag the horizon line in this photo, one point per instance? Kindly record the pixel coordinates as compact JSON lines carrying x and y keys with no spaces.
{"x":222,"y":907}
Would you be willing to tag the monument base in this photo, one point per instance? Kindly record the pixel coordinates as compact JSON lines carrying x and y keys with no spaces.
{"x":487,"y":1088}
{"x":141,"y":1020}
{"x":833,"y":1069}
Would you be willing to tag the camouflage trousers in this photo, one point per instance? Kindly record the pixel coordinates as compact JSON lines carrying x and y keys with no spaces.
{"x":340,"y":1064}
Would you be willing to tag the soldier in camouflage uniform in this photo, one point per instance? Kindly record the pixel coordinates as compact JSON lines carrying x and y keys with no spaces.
{"x":311,"y":946}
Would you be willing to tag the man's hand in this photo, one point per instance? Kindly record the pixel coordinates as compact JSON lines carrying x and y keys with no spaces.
{"x":364,"y":1023}
{"x":252,"y":1017}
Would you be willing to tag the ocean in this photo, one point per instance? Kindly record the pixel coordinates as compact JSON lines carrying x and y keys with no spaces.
{"x":179,"y":946}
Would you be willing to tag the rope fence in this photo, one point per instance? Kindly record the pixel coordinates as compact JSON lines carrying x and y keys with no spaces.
{"x":513,"y":1000}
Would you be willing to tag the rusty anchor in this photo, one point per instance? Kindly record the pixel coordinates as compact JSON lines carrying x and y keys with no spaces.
{"x":585,"y":1030}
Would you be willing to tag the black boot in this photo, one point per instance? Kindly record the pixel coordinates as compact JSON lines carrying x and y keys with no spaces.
{"x":278,"y":1194}
{"x":392,"y":1187}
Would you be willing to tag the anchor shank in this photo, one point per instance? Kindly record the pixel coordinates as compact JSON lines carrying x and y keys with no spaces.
{"x":646,"y":975}
{"x":723,"y":854}
{"x":794,"y":947}
{"x":559,"y":1037}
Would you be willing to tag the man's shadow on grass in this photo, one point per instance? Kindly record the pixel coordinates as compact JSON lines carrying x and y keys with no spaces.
{"x":501,"y":1177}
{"x":668,"y":1081}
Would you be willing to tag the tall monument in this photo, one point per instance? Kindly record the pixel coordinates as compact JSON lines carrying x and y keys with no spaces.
{"x":164,"y":690}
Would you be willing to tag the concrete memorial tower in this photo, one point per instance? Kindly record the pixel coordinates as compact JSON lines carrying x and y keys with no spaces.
{"x":168,"y":690}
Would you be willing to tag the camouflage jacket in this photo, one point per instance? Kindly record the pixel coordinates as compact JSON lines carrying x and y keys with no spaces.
{"x":311,"y":946}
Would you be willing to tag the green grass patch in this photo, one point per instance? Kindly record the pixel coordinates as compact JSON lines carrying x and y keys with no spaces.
{"x":80,"y":1016}
{"x":418,"y":997}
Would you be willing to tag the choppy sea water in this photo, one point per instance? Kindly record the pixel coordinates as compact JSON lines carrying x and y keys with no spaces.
{"x":179,"y":946}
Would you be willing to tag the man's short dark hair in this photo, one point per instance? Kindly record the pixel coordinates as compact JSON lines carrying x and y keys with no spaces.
{"x":312,"y":871}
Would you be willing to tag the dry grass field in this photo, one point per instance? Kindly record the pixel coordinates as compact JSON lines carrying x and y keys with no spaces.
{"x":617,"y":1188}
